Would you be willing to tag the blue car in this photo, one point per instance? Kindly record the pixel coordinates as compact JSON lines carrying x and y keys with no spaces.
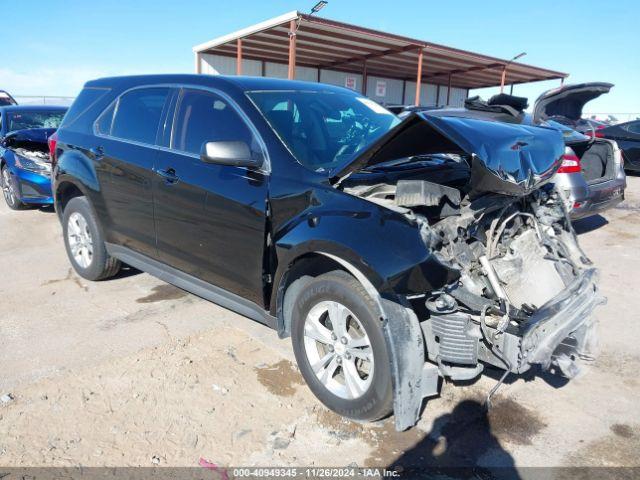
{"x":25,"y":164}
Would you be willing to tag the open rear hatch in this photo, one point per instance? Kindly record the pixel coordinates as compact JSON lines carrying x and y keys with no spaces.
{"x":567,"y":102}
{"x":565,"y":105}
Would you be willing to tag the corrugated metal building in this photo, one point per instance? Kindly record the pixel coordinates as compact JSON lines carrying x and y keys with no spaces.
{"x":388,"y":68}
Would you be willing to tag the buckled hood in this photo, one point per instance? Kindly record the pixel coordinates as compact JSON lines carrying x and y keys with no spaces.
{"x":568,"y":101}
{"x":30,"y":138}
{"x":510,"y":159}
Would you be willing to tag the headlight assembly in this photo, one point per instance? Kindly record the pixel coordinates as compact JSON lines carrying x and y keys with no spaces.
{"x":32,"y":164}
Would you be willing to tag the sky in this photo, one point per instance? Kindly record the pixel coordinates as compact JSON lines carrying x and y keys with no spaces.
{"x":53,"y":47}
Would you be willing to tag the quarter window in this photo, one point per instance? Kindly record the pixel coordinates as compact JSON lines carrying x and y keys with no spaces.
{"x":206,"y":117}
{"x":138,"y":113}
{"x":103,"y":124}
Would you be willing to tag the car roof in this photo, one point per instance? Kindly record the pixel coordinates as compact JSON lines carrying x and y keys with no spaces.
{"x":33,"y":108}
{"x":222,"y":82}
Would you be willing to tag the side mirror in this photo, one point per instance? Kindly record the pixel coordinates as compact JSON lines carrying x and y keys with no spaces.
{"x":237,"y":154}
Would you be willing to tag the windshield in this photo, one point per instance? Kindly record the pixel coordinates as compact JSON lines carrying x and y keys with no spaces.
{"x":34,"y":119}
{"x":323,"y":129}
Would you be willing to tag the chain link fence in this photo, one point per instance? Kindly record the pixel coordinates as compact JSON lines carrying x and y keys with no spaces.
{"x":612,"y":117}
{"x":43,"y":100}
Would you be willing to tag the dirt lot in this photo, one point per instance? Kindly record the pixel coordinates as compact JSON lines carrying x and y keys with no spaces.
{"x":136,"y":372}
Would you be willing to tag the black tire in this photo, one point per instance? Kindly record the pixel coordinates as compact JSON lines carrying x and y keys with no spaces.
{"x":101,"y":265}
{"x":9,"y":195}
{"x":377,"y":400}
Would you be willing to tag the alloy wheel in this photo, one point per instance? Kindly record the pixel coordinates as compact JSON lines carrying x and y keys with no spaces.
{"x":80,"y":240}
{"x":338,"y":350}
{"x":7,"y":187}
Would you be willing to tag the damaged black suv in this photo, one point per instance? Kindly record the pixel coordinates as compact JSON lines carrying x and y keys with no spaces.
{"x":393,"y":253}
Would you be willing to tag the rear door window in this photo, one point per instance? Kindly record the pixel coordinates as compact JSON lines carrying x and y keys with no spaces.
{"x":204,"y":116}
{"x":137,"y":114}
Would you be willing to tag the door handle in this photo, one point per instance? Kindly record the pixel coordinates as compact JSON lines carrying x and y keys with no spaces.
{"x":169,"y":176}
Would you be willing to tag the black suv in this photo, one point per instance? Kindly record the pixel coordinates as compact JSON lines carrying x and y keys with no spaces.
{"x":393,"y":253}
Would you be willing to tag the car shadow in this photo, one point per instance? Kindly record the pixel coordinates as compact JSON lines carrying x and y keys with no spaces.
{"x":461,"y":444}
{"x":125,"y":271}
{"x":45,"y":208}
{"x":589,"y":224}
{"x":552,"y":379}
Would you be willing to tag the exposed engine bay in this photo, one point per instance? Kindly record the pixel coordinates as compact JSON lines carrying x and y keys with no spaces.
{"x":30,"y":149}
{"x":35,"y":155}
{"x":34,"y":160}
{"x":525,"y":290}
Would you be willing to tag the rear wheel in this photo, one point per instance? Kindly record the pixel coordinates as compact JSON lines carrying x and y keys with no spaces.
{"x":340,"y":348}
{"x":84,"y":242}
{"x":9,"y":192}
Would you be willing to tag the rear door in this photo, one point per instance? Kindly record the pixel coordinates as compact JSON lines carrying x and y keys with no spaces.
{"x":126,"y":150}
{"x":211,"y":219}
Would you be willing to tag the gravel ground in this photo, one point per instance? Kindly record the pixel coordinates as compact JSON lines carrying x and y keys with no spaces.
{"x":134,"y":372}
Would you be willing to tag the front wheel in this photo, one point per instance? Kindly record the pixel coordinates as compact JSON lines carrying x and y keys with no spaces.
{"x":8,"y":190}
{"x":84,"y":242}
{"x":340,"y":348}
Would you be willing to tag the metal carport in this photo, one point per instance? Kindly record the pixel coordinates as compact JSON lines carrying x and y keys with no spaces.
{"x":297,"y":45}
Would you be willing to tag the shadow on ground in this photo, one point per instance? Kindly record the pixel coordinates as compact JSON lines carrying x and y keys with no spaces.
{"x":554,"y":380}
{"x":463,"y":444}
{"x":46,"y":208}
{"x":125,"y":271}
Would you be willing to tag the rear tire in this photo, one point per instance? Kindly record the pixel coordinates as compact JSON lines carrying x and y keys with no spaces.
{"x":340,"y":347}
{"x":9,"y":192}
{"x":84,"y":242}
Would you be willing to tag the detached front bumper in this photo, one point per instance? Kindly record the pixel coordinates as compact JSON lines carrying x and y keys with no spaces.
{"x":558,"y":336}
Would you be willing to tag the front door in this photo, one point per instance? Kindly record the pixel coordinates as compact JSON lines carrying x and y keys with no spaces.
{"x":211,"y":219}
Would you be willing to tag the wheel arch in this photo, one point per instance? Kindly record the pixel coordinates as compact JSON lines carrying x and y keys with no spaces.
{"x":307,"y":266}
{"x":6,"y":159}
{"x":67,"y":189}
{"x":400,"y":324}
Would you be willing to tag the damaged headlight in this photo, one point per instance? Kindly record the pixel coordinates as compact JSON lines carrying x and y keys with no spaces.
{"x":32,"y":164}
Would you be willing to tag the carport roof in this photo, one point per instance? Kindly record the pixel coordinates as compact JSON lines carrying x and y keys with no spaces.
{"x":328,"y":44}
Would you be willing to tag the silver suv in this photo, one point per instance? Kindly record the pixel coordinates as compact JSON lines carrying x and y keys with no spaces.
{"x":592,"y":172}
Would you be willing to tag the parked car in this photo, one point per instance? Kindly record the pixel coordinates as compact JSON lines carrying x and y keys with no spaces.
{"x":315,"y":211}
{"x":592,"y":174}
{"x":627,"y":136}
{"x":6,"y":99}
{"x":25,"y":165}
{"x":589,"y":126}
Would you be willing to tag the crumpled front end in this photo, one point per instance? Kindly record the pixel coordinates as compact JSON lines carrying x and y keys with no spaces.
{"x":526,"y":291}
{"x":521,"y":291}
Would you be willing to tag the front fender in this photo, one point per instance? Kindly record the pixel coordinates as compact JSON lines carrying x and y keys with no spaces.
{"x":383,"y":244}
